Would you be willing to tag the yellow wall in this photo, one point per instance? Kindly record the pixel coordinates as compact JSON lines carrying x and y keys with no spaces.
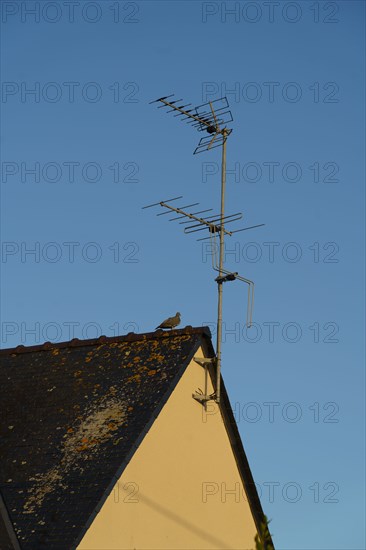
{"x":182,"y":488}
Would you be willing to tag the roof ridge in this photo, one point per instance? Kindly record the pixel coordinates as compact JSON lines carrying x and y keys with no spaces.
{"x":130,"y":337}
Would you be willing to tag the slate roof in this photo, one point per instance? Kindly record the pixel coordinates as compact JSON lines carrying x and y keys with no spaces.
{"x":73,"y":414}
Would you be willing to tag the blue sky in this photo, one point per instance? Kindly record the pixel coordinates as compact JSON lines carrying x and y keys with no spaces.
{"x":294,"y":75}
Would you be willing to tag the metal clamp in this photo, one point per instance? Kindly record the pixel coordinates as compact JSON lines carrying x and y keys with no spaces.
{"x":199,"y":395}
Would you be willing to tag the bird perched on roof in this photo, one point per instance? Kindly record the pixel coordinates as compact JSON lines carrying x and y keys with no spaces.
{"x":171,"y":322}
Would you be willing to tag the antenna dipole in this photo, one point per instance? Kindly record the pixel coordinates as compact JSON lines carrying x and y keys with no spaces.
{"x":211,"y":117}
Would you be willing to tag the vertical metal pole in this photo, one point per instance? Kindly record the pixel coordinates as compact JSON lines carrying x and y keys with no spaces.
{"x":221,"y":264}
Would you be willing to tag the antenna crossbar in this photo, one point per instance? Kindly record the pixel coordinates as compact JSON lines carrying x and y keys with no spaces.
{"x":185,"y":206}
{"x":202,"y":221}
{"x":194,"y":213}
{"x":212,"y":224}
{"x":157,"y":203}
{"x":183,"y":112}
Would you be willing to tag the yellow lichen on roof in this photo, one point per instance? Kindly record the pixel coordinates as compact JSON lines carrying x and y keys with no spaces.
{"x":134,"y":378}
{"x":95,"y":427}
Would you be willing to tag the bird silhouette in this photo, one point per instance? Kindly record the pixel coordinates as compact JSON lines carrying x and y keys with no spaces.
{"x":171,"y":322}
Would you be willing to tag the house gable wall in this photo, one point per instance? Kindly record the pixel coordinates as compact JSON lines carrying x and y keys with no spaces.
{"x":182,"y":488}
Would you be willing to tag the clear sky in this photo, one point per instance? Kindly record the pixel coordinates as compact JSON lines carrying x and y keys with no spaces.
{"x":83,"y":151}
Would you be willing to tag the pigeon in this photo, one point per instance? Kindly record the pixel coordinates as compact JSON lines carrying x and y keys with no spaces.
{"x":171,"y":322}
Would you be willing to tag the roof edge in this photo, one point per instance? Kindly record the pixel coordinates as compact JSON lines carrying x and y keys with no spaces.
{"x":242,"y":460}
{"x":130,"y":337}
{"x":9,"y":527}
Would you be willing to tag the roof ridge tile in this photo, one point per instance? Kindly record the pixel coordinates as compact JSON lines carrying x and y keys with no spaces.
{"x":103,"y":339}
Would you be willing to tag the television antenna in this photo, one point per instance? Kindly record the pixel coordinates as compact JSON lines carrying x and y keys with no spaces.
{"x":212,"y":118}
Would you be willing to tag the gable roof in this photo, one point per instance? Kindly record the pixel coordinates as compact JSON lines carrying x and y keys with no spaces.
{"x":73,"y":414}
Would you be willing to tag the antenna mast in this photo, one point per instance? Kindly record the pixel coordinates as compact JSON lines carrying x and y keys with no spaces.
{"x":211,"y":117}
{"x":221,"y":265}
